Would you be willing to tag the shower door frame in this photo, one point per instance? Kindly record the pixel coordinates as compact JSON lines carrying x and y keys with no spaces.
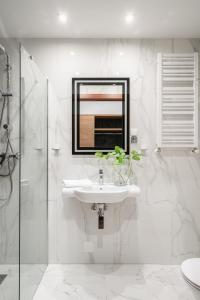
{"x":20,"y":161}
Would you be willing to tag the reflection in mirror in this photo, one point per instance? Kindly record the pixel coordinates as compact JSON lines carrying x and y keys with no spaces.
{"x":100,"y":114}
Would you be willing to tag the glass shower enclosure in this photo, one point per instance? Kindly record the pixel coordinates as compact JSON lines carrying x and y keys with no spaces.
{"x":23,"y":173}
{"x":33,"y":175}
{"x":9,"y":171}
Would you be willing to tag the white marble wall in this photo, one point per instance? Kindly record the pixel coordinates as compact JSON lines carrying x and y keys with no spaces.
{"x":162,"y":225}
{"x":9,"y":209}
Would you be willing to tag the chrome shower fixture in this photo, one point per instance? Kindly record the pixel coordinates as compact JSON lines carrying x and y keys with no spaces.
{"x":6,"y":94}
{"x":2,"y":50}
{"x":8,"y":157}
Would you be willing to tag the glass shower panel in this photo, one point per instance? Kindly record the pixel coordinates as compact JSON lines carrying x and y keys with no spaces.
{"x":9,"y":170}
{"x":34,"y":158}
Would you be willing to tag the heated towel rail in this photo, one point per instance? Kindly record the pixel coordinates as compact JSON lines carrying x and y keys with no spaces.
{"x":177,"y":110}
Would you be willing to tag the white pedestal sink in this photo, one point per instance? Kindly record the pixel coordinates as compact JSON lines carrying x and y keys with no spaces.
{"x":104,"y":194}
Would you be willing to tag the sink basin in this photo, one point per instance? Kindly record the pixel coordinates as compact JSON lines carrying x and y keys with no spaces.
{"x":105,"y":193}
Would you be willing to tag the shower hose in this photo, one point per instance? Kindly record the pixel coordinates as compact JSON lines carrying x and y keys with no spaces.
{"x":7,"y":156}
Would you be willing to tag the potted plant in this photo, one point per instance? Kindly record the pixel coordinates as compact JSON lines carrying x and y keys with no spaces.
{"x":122,"y":163}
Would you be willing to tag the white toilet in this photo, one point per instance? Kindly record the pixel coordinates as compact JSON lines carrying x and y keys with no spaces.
{"x":190,"y":269}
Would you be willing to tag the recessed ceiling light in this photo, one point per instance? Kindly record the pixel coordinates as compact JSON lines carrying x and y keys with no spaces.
{"x":121,"y":53}
{"x":77,"y":73}
{"x":62,"y":18}
{"x":72,"y":53}
{"x":129,"y":17}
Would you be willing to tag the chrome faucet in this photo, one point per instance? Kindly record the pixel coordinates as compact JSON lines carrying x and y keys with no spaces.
{"x":100,"y":176}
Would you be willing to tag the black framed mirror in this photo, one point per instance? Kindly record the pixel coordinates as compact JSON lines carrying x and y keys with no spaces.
{"x":100,"y":114}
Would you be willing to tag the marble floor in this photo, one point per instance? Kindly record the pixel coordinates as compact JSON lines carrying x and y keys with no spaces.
{"x":114,"y":282}
{"x":9,"y":288}
{"x":31,"y":275}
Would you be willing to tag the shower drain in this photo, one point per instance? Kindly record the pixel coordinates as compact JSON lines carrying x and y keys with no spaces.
{"x":2,"y":277}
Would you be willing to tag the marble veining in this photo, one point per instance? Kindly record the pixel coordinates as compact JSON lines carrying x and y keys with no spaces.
{"x":114,"y":282}
{"x":162,"y":225}
{"x":9,"y":210}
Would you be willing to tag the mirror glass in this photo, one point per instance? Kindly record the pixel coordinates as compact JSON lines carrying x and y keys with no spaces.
{"x":100,"y":114}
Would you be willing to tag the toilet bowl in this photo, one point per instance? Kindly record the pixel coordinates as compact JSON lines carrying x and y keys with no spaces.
{"x":190,"y":269}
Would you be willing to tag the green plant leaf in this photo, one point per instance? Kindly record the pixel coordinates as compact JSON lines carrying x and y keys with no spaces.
{"x":117,"y":149}
{"x":99,"y":154}
{"x":119,"y":156}
{"x":135,"y":155}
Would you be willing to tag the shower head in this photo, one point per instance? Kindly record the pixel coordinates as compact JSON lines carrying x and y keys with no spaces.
{"x":2,"y":50}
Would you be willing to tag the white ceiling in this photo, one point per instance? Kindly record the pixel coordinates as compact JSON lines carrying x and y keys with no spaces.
{"x":100,"y":18}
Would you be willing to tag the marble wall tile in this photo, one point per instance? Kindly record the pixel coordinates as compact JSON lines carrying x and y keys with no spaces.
{"x":9,"y":209}
{"x":162,"y":225}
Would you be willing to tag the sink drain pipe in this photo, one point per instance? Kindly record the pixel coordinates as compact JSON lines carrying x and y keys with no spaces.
{"x":100,"y":208}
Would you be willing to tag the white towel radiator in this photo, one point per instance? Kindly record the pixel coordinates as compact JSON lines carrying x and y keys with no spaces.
{"x":177,"y":91}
